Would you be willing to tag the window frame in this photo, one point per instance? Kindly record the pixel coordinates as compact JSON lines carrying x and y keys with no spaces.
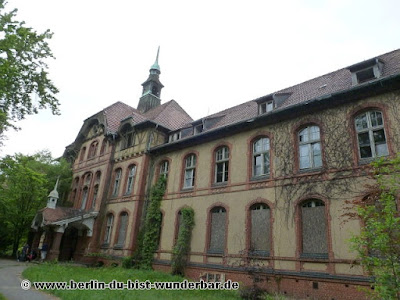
{"x":108,"y":229}
{"x":122,"y":229}
{"x":310,"y":147}
{"x":130,"y":179}
{"x":224,"y":162}
{"x":164,"y":168}
{"x":265,"y":107}
{"x":117,"y":182}
{"x":301,"y":233}
{"x":92,"y":149}
{"x":370,"y":129}
{"x":258,"y":252}
{"x":189,"y":168}
{"x":260,"y":153}
{"x":210,"y":230}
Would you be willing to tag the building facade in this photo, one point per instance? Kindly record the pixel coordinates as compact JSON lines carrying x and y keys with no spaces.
{"x":268,"y":180}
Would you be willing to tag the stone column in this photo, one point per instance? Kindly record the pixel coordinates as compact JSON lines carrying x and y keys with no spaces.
{"x":55,"y":247}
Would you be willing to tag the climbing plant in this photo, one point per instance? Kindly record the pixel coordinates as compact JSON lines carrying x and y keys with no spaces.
{"x":182,"y":246}
{"x":152,"y":225}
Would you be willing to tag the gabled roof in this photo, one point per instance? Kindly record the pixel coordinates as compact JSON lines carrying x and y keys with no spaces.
{"x":327,"y":84}
{"x":170,"y":115}
{"x":117,"y":112}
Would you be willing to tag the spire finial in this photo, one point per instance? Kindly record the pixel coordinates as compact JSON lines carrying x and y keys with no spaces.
{"x":155,"y":66}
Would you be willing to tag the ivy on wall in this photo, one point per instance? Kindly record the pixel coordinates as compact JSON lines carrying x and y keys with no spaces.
{"x":152,"y":226}
{"x":182,"y":246}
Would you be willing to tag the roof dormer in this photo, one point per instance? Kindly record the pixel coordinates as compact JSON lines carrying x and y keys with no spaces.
{"x":366,"y":71}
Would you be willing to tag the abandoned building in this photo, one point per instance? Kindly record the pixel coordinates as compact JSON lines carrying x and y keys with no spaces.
{"x":267,"y":179}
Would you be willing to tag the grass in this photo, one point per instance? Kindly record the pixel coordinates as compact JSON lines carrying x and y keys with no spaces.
{"x":61,"y":272}
{"x":2,"y":297}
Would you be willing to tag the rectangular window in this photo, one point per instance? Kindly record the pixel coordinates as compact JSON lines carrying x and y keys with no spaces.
{"x":190,"y":171}
{"x":265,"y":107}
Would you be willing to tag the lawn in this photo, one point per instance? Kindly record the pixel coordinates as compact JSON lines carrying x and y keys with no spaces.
{"x":61,"y":272}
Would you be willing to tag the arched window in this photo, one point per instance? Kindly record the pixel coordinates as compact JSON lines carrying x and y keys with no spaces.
{"x":131,"y":179}
{"x":103,"y":146}
{"x":314,"y":229}
{"x":217,"y":230}
{"x":123,"y":225}
{"x":85,"y":193}
{"x":83,"y":150}
{"x":222,"y":164}
{"x":109,"y":225}
{"x":93,"y":149}
{"x":95,"y":194}
{"x":190,"y":171}
{"x":164,"y":168}
{"x":117,"y":181}
{"x":260,"y":243}
{"x":261,"y":157}
{"x":309,"y":147}
{"x":371,"y":135}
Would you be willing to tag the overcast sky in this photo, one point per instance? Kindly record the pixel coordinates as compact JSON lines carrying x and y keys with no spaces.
{"x":214,"y":54}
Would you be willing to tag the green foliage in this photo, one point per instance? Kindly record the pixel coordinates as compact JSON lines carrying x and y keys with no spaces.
{"x":25,"y":182}
{"x":378,"y":244}
{"x":182,"y":246}
{"x":24,"y":84}
{"x":152,"y":225}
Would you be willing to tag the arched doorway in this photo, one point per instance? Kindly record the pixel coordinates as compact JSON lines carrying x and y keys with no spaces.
{"x":68,"y":244}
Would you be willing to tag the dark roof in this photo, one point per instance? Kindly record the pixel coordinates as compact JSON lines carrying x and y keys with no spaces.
{"x":117,"y":112}
{"x":51,"y":215}
{"x":327,"y":84}
{"x":170,"y":115}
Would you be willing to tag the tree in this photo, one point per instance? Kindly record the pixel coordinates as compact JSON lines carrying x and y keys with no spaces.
{"x":378,"y":244}
{"x":24,"y":84}
{"x":25,"y":182}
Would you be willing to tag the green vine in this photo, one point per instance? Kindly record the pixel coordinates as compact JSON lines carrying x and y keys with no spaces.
{"x":152,"y":225}
{"x":182,"y":246}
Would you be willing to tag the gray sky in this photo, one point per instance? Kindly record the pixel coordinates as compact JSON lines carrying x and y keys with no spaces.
{"x":214,"y":54}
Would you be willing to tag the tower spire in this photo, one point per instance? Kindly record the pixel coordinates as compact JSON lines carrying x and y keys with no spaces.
{"x":151,"y":88}
{"x":155,"y":68}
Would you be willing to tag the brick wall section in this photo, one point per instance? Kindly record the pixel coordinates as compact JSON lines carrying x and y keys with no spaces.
{"x":294,"y":287}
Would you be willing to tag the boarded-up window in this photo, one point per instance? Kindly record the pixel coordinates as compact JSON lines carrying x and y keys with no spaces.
{"x":314,"y":228}
{"x":123,"y":222}
{"x":107,"y":234}
{"x":260,"y":229}
{"x":178,"y":226}
{"x":217,"y":230}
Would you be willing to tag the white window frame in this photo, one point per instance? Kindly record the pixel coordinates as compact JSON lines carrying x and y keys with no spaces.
{"x":109,"y":226}
{"x":164,"y":168}
{"x":131,"y":179}
{"x":265,"y":107}
{"x":370,"y":129}
{"x":117,"y":181}
{"x":261,"y":153}
{"x":190,"y":171}
{"x":310,"y":143}
{"x":222,"y":158}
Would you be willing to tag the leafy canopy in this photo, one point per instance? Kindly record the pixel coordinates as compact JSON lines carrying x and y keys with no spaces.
{"x":24,"y":84}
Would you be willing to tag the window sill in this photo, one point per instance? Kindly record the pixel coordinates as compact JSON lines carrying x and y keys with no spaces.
{"x":260,"y":178}
{"x":310,"y":170}
{"x":314,"y":255}
{"x":187,"y":189}
{"x":118,"y":247}
{"x":219,"y":184}
{"x":259,"y":253}
{"x":105,"y":246}
{"x":218,"y":253}
{"x":367,"y":161}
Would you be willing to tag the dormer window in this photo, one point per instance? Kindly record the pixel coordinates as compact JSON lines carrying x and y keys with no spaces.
{"x":366,"y":71}
{"x":128,"y":138}
{"x":174,"y":136}
{"x":198,"y":129}
{"x":265,"y":107}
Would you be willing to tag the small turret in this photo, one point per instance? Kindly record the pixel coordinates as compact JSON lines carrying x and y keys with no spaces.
{"x":53,"y":197}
